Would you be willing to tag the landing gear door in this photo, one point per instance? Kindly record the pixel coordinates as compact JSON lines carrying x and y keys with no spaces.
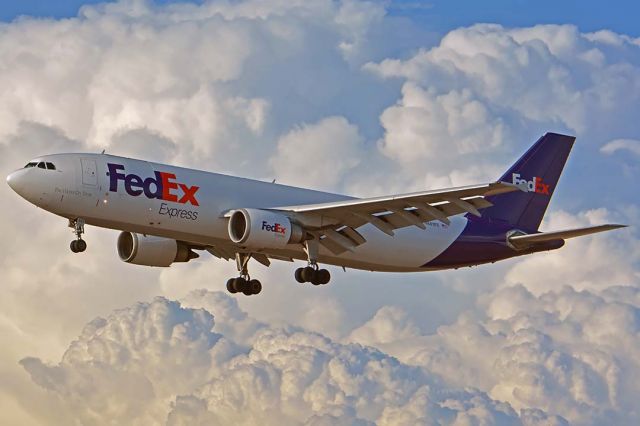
{"x":89,"y":172}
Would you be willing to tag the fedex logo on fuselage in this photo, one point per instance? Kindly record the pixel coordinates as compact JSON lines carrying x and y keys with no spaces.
{"x":162,"y":186}
{"x":276,"y":228}
{"x":534,"y":185}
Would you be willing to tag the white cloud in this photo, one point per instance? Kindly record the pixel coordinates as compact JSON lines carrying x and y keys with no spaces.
{"x":631,"y":145}
{"x":486,"y":86}
{"x":318,"y":155}
{"x":159,"y":360}
{"x":564,"y":352}
{"x":431,"y":128}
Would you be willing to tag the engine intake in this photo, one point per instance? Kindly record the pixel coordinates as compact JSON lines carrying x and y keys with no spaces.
{"x":263,"y":228}
{"x":148,"y":250}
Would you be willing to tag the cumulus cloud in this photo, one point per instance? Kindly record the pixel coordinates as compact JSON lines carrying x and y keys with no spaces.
{"x":485,"y":87}
{"x":566,"y":352}
{"x":318,"y":155}
{"x":160,"y":361}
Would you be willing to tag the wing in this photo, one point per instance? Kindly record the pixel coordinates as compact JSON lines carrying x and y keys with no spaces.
{"x":524,"y":241}
{"x":335,"y":223}
{"x":229,"y":252}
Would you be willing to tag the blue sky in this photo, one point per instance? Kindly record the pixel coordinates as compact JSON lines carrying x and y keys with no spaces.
{"x":439,"y":15}
{"x":587,"y":15}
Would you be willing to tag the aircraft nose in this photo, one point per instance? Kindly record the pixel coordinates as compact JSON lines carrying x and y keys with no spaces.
{"x":15,"y":182}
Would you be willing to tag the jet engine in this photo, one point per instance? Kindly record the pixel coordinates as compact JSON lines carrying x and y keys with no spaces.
{"x":263,"y":229}
{"x":148,"y":250}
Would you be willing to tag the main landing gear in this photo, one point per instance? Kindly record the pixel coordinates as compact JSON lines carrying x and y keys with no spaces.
{"x":312,"y":274}
{"x":243,"y":284}
{"x":78,"y":245}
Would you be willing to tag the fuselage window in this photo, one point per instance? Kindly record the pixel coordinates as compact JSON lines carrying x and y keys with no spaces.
{"x":50,"y":166}
{"x":31,"y":164}
{"x":41,"y":165}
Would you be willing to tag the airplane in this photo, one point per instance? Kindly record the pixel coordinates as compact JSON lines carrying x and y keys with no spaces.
{"x":166,"y":214}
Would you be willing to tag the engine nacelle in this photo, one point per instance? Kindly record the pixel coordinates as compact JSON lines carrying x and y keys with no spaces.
{"x":148,"y":250}
{"x":263,"y":228}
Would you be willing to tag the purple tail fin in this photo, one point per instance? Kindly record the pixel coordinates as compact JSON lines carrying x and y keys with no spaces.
{"x":539,"y":170}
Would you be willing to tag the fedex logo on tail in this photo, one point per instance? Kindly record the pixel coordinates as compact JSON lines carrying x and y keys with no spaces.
{"x":534,"y":185}
{"x":276,"y":228}
{"x":162,"y":186}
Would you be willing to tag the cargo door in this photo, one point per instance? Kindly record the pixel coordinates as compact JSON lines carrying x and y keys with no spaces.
{"x":89,"y":172}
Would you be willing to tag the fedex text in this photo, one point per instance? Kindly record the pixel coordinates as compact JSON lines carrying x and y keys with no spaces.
{"x":534,"y":185}
{"x":276,"y":228}
{"x":162,"y":186}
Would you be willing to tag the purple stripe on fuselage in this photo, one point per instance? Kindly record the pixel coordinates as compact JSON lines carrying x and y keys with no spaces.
{"x":483,"y":241}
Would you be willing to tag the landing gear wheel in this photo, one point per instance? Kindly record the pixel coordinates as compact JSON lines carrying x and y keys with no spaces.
{"x":315,"y":280}
{"x":312,"y":275}
{"x":308,"y":274}
{"x":230,"y":286}
{"x":78,"y":245}
{"x":81,"y":245}
{"x":247,"y":288}
{"x":255,"y":287}
{"x":243,"y":284}
{"x":239,"y":284}
{"x":323,"y":276}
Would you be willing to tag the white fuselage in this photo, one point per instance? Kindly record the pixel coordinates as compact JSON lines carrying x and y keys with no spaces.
{"x":80,"y":188}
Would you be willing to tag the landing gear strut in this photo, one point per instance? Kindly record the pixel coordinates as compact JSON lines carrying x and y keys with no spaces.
{"x":78,"y":245}
{"x":243,"y":284}
{"x":312,"y":274}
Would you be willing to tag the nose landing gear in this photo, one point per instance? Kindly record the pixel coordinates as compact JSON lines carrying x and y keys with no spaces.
{"x":243,"y":284}
{"x":78,"y":245}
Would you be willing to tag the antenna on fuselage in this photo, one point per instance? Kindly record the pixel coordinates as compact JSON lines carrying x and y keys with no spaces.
{"x":103,"y":151}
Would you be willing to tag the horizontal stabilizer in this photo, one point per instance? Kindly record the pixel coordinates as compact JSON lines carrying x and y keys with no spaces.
{"x":523,"y":241}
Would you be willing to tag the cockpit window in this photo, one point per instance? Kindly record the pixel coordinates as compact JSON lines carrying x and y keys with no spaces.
{"x":50,"y":166}
{"x":41,"y":165}
{"x":31,"y":164}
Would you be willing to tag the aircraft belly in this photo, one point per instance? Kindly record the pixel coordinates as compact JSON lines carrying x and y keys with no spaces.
{"x":410,"y":247}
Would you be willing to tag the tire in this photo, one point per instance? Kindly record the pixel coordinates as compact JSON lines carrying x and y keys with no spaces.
{"x":298,"y":275}
{"x":81,"y":245}
{"x":323,"y":276}
{"x":308,"y":274}
{"x":255,"y":286}
{"x":239,"y":284}
{"x":230,"y":286}
{"x":73,"y":246}
{"x":247,"y":287}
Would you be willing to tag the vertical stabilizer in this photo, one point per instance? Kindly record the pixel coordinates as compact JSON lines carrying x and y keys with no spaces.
{"x":538,"y":170}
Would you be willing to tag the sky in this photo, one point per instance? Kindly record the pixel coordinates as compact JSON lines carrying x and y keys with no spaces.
{"x":386,"y":97}
{"x":437,"y":15}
